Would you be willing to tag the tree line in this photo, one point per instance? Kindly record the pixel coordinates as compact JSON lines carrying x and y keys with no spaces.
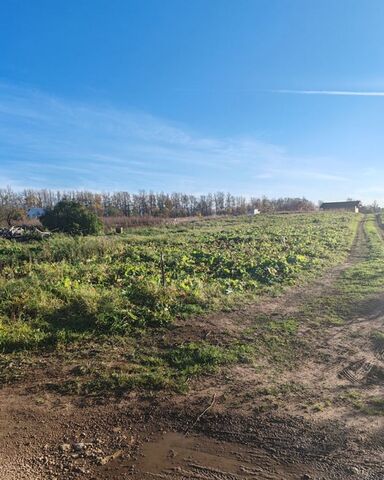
{"x":166,"y":205}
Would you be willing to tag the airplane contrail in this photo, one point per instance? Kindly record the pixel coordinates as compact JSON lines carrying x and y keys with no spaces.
{"x":344,"y":93}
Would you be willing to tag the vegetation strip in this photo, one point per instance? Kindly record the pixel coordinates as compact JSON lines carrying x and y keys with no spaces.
{"x":114,"y":292}
{"x":343,"y":309}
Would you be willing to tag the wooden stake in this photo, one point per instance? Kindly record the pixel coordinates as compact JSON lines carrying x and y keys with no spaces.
{"x":162,"y":268}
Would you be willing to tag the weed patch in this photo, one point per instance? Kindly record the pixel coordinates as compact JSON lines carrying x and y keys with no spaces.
{"x":66,"y":292}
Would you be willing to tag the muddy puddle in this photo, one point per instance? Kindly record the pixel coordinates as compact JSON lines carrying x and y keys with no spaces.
{"x":174,"y":456}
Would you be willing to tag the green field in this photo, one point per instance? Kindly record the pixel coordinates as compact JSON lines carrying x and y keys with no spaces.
{"x":123,"y":291}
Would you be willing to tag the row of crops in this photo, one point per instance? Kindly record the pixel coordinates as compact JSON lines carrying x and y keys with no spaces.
{"x":67,"y":286}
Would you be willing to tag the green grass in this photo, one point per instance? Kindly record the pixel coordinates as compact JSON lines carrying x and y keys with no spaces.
{"x":69,"y":292}
{"x":277,"y":340}
{"x":355,"y":287}
{"x":374,"y":406}
{"x":112,"y":285}
{"x":169,"y":368}
{"x":369,"y":406}
{"x":366,"y":277}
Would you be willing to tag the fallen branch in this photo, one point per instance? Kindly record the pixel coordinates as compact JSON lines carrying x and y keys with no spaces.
{"x":201,"y":414}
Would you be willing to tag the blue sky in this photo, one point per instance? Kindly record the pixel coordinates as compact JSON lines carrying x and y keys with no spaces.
{"x":257,"y":97}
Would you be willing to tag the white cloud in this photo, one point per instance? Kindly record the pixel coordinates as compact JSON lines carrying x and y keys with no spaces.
{"x":55,"y":143}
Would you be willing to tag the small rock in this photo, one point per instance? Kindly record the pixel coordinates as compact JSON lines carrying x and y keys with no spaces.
{"x":80,"y":470}
{"x":79,"y":447}
{"x":354,"y":470}
{"x":65,"y":447}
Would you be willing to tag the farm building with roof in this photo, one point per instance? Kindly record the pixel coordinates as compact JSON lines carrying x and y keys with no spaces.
{"x":35,"y":212}
{"x":348,"y":206}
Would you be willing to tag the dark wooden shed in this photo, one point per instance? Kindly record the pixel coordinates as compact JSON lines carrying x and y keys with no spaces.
{"x":348,"y":206}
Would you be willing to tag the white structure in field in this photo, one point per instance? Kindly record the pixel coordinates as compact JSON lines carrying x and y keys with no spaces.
{"x":35,"y":212}
{"x":251,"y":212}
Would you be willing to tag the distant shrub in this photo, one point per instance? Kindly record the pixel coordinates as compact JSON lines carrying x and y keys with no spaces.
{"x":71,"y":217}
{"x":111,"y":222}
{"x":11,"y":214}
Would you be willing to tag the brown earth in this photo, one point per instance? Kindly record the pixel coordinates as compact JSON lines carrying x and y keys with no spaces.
{"x":287,"y":420}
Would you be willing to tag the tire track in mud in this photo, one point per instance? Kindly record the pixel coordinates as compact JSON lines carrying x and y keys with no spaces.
{"x":176,"y":457}
{"x":357,"y":372}
{"x":294,"y":451}
{"x":197,"y":472}
{"x":366,"y":371}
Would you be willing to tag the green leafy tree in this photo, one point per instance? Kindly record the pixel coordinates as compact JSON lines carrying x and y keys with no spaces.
{"x":71,"y":217}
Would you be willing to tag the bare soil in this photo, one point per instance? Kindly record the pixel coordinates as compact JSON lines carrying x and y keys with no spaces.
{"x":292,"y":420}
